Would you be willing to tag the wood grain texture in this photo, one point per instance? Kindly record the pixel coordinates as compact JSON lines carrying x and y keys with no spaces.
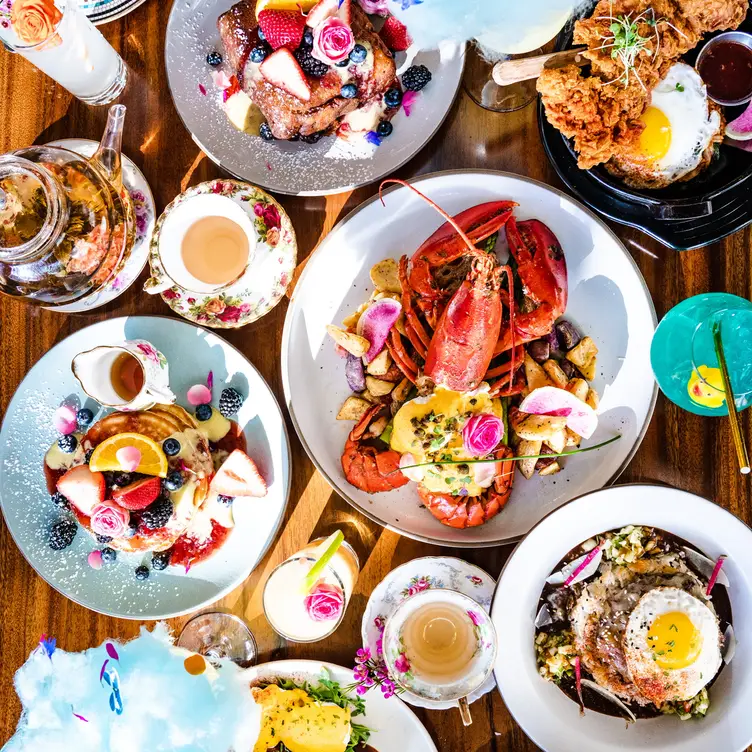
{"x":680,"y":449}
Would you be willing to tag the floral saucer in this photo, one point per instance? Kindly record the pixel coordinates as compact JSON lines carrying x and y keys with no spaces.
{"x":264,"y":282}
{"x":415,"y":577}
{"x":145,"y":215}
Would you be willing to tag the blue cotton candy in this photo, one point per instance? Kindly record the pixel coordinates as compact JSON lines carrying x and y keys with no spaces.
{"x":67,"y":708}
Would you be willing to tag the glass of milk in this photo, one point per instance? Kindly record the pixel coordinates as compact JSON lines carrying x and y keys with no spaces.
{"x":76,"y":55}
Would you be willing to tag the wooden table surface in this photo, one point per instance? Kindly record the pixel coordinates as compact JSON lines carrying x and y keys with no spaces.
{"x":680,"y":449}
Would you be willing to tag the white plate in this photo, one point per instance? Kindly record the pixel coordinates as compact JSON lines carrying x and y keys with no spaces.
{"x":395,"y":727}
{"x":289,"y":167}
{"x":545,"y":713}
{"x":27,"y":432}
{"x":608,"y":299}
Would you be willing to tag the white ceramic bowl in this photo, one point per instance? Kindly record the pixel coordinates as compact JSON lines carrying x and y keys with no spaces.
{"x":545,"y":713}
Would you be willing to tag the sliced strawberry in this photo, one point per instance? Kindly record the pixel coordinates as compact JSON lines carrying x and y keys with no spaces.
{"x":394,"y":35}
{"x":83,"y":488}
{"x":345,"y":11}
{"x":321,"y":11}
{"x":138,"y":495}
{"x":239,"y":476}
{"x":282,"y":28}
{"x":281,"y":69}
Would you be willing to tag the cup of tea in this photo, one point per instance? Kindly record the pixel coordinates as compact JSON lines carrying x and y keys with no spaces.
{"x":130,"y":375}
{"x":441,"y":646}
{"x":205,"y":244}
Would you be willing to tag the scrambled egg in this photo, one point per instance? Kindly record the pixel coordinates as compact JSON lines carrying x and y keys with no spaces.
{"x":430,"y":429}
{"x":291,"y":716}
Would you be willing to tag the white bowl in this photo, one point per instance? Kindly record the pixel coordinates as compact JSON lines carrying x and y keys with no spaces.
{"x":545,"y":713}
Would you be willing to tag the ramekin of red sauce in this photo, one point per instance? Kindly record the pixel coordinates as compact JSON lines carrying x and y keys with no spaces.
{"x":725,"y":65}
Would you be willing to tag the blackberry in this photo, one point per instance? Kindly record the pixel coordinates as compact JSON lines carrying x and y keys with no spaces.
{"x":103,"y":539}
{"x":68,"y":443}
{"x":231,"y":399}
{"x":312,"y":138}
{"x":214,"y":59}
{"x":142,"y":573}
{"x":349,"y":91}
{"x":393,"y":98}
{"x":203,"y":412}
{"x":309,"y":63}
{"x":157,"y":514}
{"x":62,"y":534}
{"x":108,"y":555}
{"x":384,"y":129}
{"x":60,"y":501}
{"x":171,"y":447}
{"x":226,"y":500}
{"x":358,"y":54}
{"x":87,"y":456}
{"x":173,"y":481}
{"x":265,"y":132}
{"x":416,"y":77}
{"x":84,"y":416}
{"x":258,"y":54}
{"x":160,"y":560}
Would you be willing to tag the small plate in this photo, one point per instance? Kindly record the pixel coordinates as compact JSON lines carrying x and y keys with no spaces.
{"x":414,"y":577}
{"x":27,"y":432}
{"x":103,"y":11}
{"x":280,"y":166}
{"x":394,"y":725}
{"x":544,"y":712}
{"x":145,"y":216}
{"x":267,"y":277}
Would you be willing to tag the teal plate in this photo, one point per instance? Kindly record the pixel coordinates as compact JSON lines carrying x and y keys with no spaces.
{"x":27,"y":432}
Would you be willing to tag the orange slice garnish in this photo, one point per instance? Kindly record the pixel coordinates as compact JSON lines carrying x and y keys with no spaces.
{"x":153,"y":459}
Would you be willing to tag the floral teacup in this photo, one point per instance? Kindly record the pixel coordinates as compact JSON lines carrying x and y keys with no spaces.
{"x":412,"y":672}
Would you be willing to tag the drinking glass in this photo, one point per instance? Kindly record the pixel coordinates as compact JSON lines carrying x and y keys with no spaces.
{"x":683,"y":354}
{"x":75,"y":54}
{"x":217,"y":636}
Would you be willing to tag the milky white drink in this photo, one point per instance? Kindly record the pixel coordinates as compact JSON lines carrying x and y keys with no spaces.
{"x":306,"y":617}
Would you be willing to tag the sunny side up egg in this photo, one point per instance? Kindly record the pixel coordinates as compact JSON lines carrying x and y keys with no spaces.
{"x":429,"y":427}
{"x":294,"y":718}
{"x":679,"y":125}
{"x":672,"y":645}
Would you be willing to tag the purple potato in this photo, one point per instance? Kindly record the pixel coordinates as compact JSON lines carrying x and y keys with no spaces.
{"x":356,"y":376}
{"x":553,"y":340}
{"x":570,"y":369}
{"x":539,"y":350}
{"x":568,"y":335}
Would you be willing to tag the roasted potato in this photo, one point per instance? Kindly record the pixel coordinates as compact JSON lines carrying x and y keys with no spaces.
{"x":353,"y":343}
{"x":573,"y":439}
{"x":540,"y":427}
{"x":380,"y":364}
{"x":385,"y":275}
{"x":535,"y":375}
{"x":353,"y":408}
{"x":377,"y":387}
{"x":593,"y":399}
{"x":578,"y":387}
{"x":527,"y":449}
{"x":551,"y":469}
{"x":588,"y":370}
{"x":554,"y":372}
{"x":583,"y":352}
{"x":557,"y":442}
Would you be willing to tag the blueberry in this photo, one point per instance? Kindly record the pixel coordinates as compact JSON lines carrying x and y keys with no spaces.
{"x":68,"y":443}
{"x":265,"y":132}
{"x":343,"y":63}
{"x":103,"y":539}
{"x":214,"y":59}
{"x":60,"y":501}
{"x":226,"y":500}
{"x":171,"y":447}
{"x":311,"y":138}
{"x":260,"y":34}
{"x":133,"y":524}
{"x":384,"y":129}
{"x":122,"y":479}
{"x":204,"y":412}
{"x":258,"y":54}
{"x":393,"y":98}
{"x":84,"y":416}
{"x":108,"y":555}
{"x":349,"y":91}
{"x":173,"y":481}
{"x":358,"y":54}
{"x":142,"y":573}
{"x":308,"y":37}
{"x":160,"y":560}
{"x":87,"y":456}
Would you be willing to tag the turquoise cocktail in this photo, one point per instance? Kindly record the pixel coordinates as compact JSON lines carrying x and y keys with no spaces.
{"x":683,"y":355}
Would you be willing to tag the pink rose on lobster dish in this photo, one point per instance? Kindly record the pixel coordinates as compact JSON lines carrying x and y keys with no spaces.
{"x":333,"y":41}
{"x":325,"y":602}
{"x":482,"y":434}
{"x":109,"y":519}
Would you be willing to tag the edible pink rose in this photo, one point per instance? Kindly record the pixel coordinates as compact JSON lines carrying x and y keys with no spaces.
{"x":375,"y":7}
{"x":482,"y":434}
{"x":325,"y":602}
{"x":109,"y":519}
{"x":333,"y":41}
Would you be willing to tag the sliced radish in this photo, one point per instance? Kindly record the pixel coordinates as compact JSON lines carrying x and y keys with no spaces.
{"x":729,"y":644}
{"x":631,"y":717}
{"x":705,"y":566}
{"x":543,"y":619}
{"x":550,"y":400}
{"x":716,"y":573}
{"x":415,"y":474}
{"x":375,"y":324}
{"x":741,"y":128}
{"x":578,"y":682}
{"x":578,"y":570}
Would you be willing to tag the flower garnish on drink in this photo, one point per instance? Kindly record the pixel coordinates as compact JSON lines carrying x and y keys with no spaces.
{"x":34,"y":21}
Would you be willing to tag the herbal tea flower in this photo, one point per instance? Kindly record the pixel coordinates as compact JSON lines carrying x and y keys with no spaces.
{"x":34,"y":20}
{"x":110,"y":520}
{"x":482,"y":434}
{"x":333,"y":41}
{"x":325,"y":602}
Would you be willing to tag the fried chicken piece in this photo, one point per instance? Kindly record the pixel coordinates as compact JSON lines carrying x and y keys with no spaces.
{"x":600,"y":110}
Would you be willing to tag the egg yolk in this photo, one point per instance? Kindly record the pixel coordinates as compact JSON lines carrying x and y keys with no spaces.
{"x":674,"y":641}
{"x":655,"y":138}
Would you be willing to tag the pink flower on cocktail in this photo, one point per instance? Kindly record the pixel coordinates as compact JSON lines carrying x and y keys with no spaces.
{"x":482,"y":434}
{"x":109,"y":519}
{"x":402,"y":664}
{"x":325,"y":602}
{"x":333,"y":41}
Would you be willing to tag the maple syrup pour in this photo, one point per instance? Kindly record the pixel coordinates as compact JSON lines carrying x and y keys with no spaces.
{"x":127,"y":376}
{"x":215,"y":250}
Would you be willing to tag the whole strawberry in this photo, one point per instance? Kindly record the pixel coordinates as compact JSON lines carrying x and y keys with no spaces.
{"x":394,"y":35}
{"x":282,"y":28}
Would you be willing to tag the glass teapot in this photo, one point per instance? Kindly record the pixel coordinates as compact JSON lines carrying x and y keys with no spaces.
{"x":66,"y":223}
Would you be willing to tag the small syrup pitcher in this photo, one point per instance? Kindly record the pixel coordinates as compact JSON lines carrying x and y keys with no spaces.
{"x":131,"y":375}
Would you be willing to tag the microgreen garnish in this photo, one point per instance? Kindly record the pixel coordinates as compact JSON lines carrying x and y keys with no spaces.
{"x":679,"y":86}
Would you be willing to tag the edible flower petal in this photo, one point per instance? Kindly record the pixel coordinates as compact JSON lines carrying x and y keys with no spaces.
{"x":333,"y":41}
{"x":482,"y":434}
{"x":64,"y":420}
{"x":129,"y":458}
{"x":408,"y":101}
{"x":199,"y":394}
